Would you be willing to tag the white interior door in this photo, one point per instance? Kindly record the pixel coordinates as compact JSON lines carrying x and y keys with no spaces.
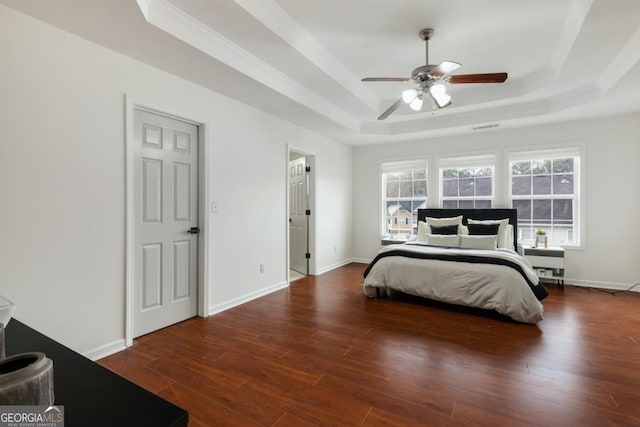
{"x":298,"y":202}
{"x":166,"y":221}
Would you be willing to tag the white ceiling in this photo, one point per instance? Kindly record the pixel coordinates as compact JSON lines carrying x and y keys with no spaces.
{"x":304,"y":60}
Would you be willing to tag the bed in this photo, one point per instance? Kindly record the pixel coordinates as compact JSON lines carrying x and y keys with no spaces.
{"x":464,"y":257}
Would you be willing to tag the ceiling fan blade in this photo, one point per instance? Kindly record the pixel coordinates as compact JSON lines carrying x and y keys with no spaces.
{"x":477,"y":78}
{"x":390,"y":110}
{"x":443,"y":69}
{"x":386,"y":79}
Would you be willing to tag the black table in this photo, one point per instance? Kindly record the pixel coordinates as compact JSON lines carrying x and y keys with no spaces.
{"x":93,"y":395}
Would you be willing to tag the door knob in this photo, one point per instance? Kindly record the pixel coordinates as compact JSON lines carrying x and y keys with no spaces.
{"x":193,"y":230}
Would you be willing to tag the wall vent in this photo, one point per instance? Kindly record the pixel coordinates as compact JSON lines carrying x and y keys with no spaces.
{"x":482,"y":127}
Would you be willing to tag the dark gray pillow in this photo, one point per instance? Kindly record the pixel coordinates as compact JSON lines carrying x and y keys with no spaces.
{"x":444,"y":229}
{"x":483,"y":229}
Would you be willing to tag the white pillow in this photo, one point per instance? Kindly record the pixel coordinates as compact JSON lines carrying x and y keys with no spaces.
{"x":479,"y":242}
{"x":423,"y":231}
{"x":448,"y":240}
{"x":424,"y":227}
{"x":445,"y":221}
{"x":503,"y":234}
{"x":510,"y":238}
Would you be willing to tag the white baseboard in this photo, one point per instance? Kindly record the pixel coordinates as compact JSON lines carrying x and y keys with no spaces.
{"x":361,"y":260}
{"x":333,"y":266}
{"x":105,"y":350}
{"x":615,"y":286}
{"x":246,"y":298}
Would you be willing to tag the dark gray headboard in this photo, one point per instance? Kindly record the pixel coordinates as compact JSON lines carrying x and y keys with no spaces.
{"x":480,"y":214}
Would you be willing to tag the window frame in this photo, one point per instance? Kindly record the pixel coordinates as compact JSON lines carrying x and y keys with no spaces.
{"x":467,"y":162}
{"x":392,"y":166}
{"x":577,"y":153}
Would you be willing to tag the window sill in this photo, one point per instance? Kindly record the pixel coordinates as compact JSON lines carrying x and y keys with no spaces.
{"x":396,"y":240}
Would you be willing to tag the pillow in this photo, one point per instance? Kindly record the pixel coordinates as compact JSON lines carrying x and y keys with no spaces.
{"x":503,"y":235}
{"x":483,"y":229}
{"x":423,"y":231}
{"x":424,"y":227}
{"x":510,"y":238}
{"x":445,"y":229}
{"x":446,"y":240}
{"x":479,"y":242}
{"x":444,"y":221}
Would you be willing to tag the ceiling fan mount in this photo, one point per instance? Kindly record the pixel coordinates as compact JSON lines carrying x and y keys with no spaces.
{"x":431,"y":79}
{"x":426,"y":34}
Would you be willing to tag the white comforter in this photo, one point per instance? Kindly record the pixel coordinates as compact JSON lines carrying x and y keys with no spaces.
{"x":488,"y":286}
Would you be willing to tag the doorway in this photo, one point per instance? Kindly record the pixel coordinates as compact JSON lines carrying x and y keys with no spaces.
{"x":301,"y":214}
{"x":163,"y":216}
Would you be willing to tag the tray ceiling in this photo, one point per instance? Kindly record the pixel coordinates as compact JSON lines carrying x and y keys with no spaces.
{"x":304,"y":61}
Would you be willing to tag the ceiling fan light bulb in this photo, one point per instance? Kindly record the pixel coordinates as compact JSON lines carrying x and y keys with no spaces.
{"x":416,"y":104}
{"x":443,"y":100}
{"x":438,"y":90}
{"x":409,"y":95}
{"x":439,"y":95}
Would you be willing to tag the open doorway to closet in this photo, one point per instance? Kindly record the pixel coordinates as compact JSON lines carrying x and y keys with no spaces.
{"x":301,"y":213}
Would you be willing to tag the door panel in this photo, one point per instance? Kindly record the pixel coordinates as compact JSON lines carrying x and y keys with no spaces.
{"x":165,"y":208}
{"x":181,"y":259}
{"x":182,"y":192}
{"x":152,"y":190}
{"x":152,"y":276}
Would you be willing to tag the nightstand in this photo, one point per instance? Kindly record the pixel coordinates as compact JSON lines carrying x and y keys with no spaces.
{"x":547,"y":262}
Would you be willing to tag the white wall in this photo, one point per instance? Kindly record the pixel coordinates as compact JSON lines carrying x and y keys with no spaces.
{"x":611,"y":254}
{"x":62,"y":221}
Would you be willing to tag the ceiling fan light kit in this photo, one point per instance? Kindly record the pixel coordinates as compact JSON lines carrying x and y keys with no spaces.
{"x":416,"y":104}
{"x":439,"y":94}
{"x":430,"y":79}
{"x":409,"y":95}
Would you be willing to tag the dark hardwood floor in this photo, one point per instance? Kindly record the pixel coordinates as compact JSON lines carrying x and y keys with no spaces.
{"x":321,"y":353}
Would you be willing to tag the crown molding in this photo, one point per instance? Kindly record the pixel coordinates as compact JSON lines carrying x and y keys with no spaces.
{"x":626,"y":59}
{"x":578,"y":11}
{"x":174,"y":21}
{"x":289,"y":30}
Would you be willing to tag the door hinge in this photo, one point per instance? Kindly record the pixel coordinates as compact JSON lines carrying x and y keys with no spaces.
{"x":307,"y":255}
{"x":308,"y":168}
{"x":307,"y":212}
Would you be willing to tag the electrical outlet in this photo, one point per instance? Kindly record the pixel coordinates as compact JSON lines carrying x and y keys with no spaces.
{"x":214,"y":207}
{"x":335,"y":249}
{"x":261,"y":268}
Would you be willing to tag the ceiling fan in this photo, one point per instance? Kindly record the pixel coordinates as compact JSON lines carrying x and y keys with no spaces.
{"x":430,"y":80}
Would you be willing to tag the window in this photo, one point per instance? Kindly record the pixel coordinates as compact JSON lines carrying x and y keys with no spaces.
{"x":467,"y":182}
{"x":545,"y":191}
{"x":404,"y":190}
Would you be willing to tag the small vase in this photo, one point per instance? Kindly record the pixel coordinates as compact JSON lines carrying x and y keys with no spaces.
{"x":26,"y":379}
{"x":541,"y":240}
